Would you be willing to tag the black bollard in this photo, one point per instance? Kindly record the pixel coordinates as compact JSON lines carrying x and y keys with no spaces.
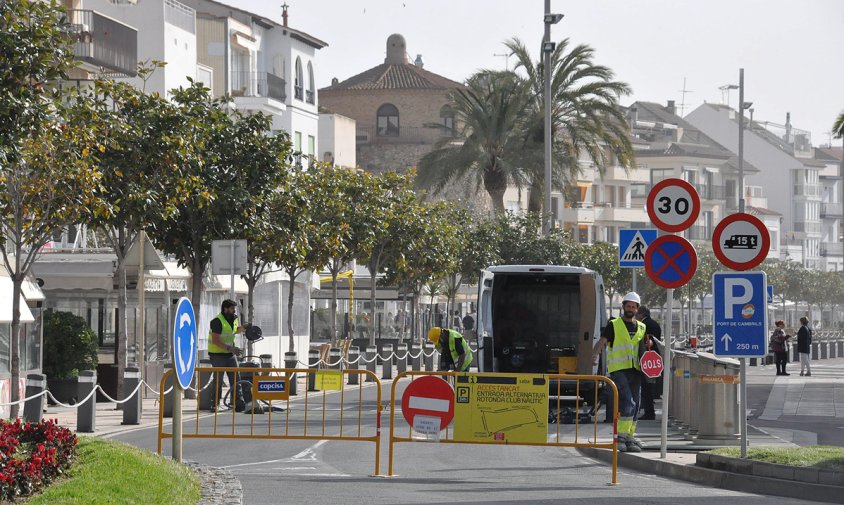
{"x":86,"y":413}
{"x":354,"y":364}
{"x":132,"y":406}
{"x":32,"y":409}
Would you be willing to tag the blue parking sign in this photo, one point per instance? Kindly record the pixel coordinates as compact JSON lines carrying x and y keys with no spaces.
{"x":184,"y":342}
{"x":740,"y":314}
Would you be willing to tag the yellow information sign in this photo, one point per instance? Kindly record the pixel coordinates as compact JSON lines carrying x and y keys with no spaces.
{"x":329,"y":380}
{"x":501,"y":408}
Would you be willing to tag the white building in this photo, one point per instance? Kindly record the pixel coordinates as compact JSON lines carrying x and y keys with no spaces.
{"x":788,"y":173}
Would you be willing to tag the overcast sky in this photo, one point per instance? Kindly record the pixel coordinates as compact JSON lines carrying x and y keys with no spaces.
{"x":791,"y":50}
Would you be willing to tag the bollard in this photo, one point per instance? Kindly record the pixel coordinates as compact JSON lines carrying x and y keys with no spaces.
{"x":832,"y":350}
{"x":840,"y":348}
{"x":401,"y":358}
{"x":429,"y":357}
{"x":167,"y":399}
{"x":823,"y":347}
{"x":416,"y":359}
{"x":752,"y":361}
{"x":291,"y":361}
{"x":86,"y":413}
{"x":719,"y":420}
{"x":266,"y":361}
{"x":335,"y":359}
{"x":795,"y":356}
{"x":132,"y":406}
{"x":814,"y":350}
{"x":205,"y":396}
{"x":387,"y":366}
{"x":354,"y":355}
{"x":372,"y":359}
{"x":32,"y":409}
{"x":313,"y":362}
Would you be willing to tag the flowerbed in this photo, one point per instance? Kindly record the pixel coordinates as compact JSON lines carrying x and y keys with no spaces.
{"x":32,"y":455}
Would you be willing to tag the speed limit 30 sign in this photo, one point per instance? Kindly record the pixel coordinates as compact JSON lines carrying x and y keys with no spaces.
{"x":673,"y":205}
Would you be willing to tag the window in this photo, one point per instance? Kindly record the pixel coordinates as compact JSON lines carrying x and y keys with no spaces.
{"x":447,"y":120}
{"x":388,"y":121}
{"x":309,"y":95}
{"x":298,"y":85}
{"x":659,"y":174}
{"x":311,"y":149}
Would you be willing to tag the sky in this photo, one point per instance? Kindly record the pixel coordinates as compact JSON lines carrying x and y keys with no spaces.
{"x":791,"y":51}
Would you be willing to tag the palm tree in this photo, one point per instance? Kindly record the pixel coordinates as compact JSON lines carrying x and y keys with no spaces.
{"x":489,"y":113}
{"x":585,"y":115}
{"x":838,"y":127}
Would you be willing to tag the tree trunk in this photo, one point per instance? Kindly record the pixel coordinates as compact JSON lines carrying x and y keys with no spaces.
{"x":17,"y":281}
{"x":291,"y":274}
{"x":535,"y":199}
{"x":251,"y":280}
{"x":373,"y":274}
{"x":121,"y":341}
{"x":196,"y":286}
{"x":335,"y":270}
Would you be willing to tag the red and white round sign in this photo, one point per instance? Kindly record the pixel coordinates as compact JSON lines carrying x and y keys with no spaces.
{"x":428,"y":404}
{"x":651,"y":364}
{"x":741,"y":241}
{"x":673,"y":205}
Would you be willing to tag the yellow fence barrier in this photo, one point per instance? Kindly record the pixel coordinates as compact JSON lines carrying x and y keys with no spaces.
{"x":284,"y":413}
{"x":502,"y":409}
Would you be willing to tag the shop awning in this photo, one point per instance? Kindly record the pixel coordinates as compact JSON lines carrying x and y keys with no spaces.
{"x":6,"y":303}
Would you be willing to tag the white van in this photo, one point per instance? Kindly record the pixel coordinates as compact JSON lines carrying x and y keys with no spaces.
{"x":539,"y":319}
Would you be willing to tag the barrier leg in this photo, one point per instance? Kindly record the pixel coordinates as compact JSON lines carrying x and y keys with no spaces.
{"x":371,"y":354}
{"x":132,"y":407}
{"x":387,"y":366}
{"x":32,"y":409}
{"x":291,"y":361}
{"x":86,"y":413}
{"x":354,"y":364}
{"x":313,"y":360}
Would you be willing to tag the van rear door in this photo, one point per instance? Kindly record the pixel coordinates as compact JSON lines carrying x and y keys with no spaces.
{"x":483,"y":323}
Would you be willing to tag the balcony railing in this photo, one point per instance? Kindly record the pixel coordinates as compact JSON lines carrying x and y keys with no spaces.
{"x":708,"y":192}
{"x":807,"y":227}
{"x":297,"y":92}
{"x":832,"y":210}
{"x":104,"y":42}
{"x":263,"y":84}
{"x":832,"y":249}
{"x":807,"y":190}
{"x":309,"y":96}
{"x":699,"y":232}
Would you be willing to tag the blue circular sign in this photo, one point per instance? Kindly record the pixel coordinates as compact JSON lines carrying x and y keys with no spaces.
{"x":184,"y":342}
{"x":670,"y":261}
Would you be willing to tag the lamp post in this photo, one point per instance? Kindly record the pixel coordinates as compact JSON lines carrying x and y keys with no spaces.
{"x":548,"y":48}
{"x":742,"y":106}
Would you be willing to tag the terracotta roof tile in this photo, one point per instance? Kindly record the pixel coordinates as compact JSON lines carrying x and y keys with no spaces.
{"x":395,"y":76}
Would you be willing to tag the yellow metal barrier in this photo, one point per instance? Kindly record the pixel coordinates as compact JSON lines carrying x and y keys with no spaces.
{"x":507,"y":409}
{"x":295,"y":409}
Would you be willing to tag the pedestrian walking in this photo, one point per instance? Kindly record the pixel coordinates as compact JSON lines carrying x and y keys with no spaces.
{"x":623,"y":335}
{"x":804,"y":346}
{"x":779,"y":343}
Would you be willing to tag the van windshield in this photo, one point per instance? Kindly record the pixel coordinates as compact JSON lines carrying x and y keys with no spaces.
{"x":535,"y":316}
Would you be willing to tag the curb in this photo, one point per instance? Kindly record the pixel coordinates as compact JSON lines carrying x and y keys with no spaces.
{"x":764,"y":469}
{"x":723,"y":479}
{"x":218,"y":486}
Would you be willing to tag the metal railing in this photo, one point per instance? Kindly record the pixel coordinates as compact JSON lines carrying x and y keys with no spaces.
{"x":832,"y":210}
{"x":832,"y":249}
{"x":297,"y":92}
{"x":502,"y":412}
{"x":180,"y":15}
{"x":262,"y":84}
{"x":807,"y":227}
{"x":309,"y":96}
{"x":104,"y":42}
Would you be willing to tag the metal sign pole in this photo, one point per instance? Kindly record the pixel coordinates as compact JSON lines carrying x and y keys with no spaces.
{"x":177,"y":419}
{"x":666,"y":379}
{"x":231,"y":290}
{"x":743,"y":407}
{"x":634,"y":280}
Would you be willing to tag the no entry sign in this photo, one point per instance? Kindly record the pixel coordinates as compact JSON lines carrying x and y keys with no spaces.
{"x":671,"y":261}
{"x":428,"y":404}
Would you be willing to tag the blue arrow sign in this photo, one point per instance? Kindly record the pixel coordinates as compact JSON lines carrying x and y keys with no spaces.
{"x":632,"y":244}
{"x":184,"y":342}
{"x":740,"y":314}
{"x":770,"y":294}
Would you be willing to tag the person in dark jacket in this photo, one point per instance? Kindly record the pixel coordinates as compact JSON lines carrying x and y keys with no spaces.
{"x":650,"y":387}
{"x":779,"y":346}
{"x":804,"y":346}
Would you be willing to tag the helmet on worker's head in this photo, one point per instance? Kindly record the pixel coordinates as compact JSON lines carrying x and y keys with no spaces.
{"x":631,"y":297}
{"x":434,"y":335}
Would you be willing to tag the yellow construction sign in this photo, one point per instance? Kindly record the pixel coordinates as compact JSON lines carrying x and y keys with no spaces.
{"x":501,"y":408}
{"x":329,"y":380}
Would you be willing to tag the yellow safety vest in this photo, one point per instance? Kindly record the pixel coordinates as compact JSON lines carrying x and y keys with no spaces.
{"x":452,"y":336}
{"x":227,"y":336}
{"x":624,"y":351}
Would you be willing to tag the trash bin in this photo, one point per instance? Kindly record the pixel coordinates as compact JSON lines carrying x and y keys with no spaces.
{"x":718,"y":413}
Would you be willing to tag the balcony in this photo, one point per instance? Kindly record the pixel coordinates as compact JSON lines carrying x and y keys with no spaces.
{"x":578,"y":213}
{"x":832,"y":249}
{"x":258,"y":84}
{"x":103,"y":44}
{"x":297,"y":92}
{"x":810,"y":228}
{"x":832,"y":210}
{"x":309,"y":96}
{"x":807,"y":190}
{"x":699,"y":232}
{"x":623,"y":214}
{"x":708,"y":192}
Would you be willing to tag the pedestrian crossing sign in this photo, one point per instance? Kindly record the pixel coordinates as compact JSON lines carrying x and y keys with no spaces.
{"x":632,"y":245}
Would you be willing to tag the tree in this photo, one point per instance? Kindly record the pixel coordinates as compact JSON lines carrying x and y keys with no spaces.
{"x":602,"y":257}
{"x":786,"y":277}
{"x":490,"y":115}
{"x":586,"y":117}
{"x":47,"y":154}
{"x":230,"y":165}
{"x":838,"y":127}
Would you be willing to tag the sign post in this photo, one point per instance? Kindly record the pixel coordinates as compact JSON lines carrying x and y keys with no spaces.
{"x":673,"y":205}
{"x":184,"y":363}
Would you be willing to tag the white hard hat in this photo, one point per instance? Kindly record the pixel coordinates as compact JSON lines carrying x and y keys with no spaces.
{"x":632,"y":297}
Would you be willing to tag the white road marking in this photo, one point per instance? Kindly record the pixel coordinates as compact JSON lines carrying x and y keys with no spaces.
{"x":306,"y":455}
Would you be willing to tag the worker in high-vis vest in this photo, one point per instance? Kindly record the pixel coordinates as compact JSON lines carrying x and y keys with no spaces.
{"x":624,"y":335}
{"x":454,"y":351}
{"x":224,"y":353}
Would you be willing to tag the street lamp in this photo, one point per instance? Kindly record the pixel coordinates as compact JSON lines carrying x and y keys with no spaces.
{"x":548,"y":47}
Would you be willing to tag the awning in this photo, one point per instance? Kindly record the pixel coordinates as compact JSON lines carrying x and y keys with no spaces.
{"x":6,"y":287}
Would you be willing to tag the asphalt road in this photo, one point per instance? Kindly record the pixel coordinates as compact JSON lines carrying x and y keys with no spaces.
{"x":337,"y":472}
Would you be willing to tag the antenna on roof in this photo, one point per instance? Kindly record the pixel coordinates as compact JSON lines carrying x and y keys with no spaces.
{"x":683,"y":97}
